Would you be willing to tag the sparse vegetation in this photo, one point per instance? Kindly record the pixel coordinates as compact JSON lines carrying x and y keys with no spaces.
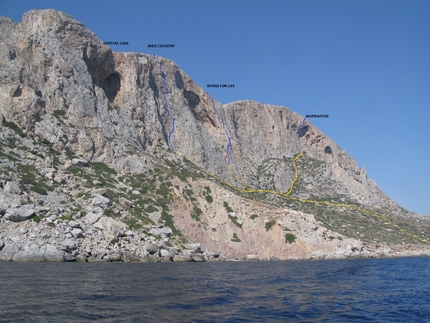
{"x":196,"y":212}
{"x":234,"y":220}
{"x":163,"y":190}
{"x":290,"y":238}
{"x":38,"y":189}
{"x":235,"y":238}
{"x":227,"y":207}
{"x":14,"y":127}
{"x":269,"y":225}
{"x":59,"y":113}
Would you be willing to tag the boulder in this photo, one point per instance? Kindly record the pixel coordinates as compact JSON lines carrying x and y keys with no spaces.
{"x":150,"y":247}
{"x":165,"y":254}
{"x":68,"y":257}
{"x":182,"y":258}
{"x":100,"y":191}
{"x":30,"y":253}
{"x":127,"y":256}
{"x":365,"y":253}
{"x":69,"y":244}
{"x":77,"y":233}
{"x":80,"y":162}
{"x":12,"y":188}
{"x":197,"y":257}
{"x":81,"y":258}
{"x":161,"y":232}
{"x":101,"y":201}
{"x":318,"y":254}
{"x":195,"y":247}
{"x":8,"y":251}
{"x":125,"y":203}
{"x":18,"y":214}
{"x":252,"y":258}
{"x":94,"y":215}
{"x":34,"y":253}
{"x":114,"y":257}
{"x":112,"y":229}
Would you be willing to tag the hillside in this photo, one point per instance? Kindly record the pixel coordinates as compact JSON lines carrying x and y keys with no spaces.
{"x":111,"y":156}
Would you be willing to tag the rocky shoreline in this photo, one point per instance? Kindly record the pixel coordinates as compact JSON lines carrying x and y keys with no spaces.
{"x":31,"y":232}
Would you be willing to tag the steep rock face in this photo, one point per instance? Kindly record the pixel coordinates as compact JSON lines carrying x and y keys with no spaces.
{"x":63,"y":87}
{"x":51,"y":62}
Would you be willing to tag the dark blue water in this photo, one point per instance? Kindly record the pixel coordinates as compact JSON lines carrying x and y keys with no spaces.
{"x":375,"y":290}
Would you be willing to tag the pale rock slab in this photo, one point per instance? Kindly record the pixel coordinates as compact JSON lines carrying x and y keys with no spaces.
{"x":94,"y":215}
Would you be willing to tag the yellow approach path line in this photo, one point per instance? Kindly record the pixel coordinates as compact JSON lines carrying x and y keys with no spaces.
{"x":287,"y":194}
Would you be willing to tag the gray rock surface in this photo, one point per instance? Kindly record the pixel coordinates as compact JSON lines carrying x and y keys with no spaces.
{"x":8,"y":251}
{"x":162,"y":232}
{"x":94,"y":215}
{"x":101,"y":201}
{"x":182,"y":258}
{"x":21,"y":213}
{"x":12,"y":188}
{"x":151,"y":248}
{"x":69,"y":244}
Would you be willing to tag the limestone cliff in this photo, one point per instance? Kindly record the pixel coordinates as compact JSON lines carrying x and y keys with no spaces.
{"x":78,"y":117}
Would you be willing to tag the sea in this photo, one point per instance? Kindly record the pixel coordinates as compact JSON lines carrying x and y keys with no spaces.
{"x":365,"y":290}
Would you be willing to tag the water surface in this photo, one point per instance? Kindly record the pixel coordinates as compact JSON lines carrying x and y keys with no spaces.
{"x":368,"y":290}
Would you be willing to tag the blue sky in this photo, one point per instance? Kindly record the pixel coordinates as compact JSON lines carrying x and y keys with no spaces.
{"x":365,"y":63}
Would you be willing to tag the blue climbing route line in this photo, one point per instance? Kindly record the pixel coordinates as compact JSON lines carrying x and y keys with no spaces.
{"x":167,"y":104}
{"x":227,"y":150}
{"x":300,"y":127}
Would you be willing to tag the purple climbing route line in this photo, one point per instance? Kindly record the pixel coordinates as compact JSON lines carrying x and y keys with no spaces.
{"x":300,"y":127}
{"x":171,"y":132}
{"x":167,"y":104}
{"x":227,"y":150}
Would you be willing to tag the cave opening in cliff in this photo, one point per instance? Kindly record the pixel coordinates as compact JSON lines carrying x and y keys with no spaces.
{"x":303,"y":131}
{"x":328,"y":150}
{"x":111,"y":85}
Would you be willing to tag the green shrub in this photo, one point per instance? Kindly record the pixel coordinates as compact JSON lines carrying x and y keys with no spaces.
{"x":168,"y":221}
{"x":103,"y":168}
{"x":163,"y":190}
{"x":269,"y":225}
{"x":234,"y":220}
{"x":14,"y":127}
{"x":209,"y":198}
{"x":66,"y":218}
{"x":254,"y":216}
{"x":196,"y":212}
{"x":227,"y":207}
{"x":36,"y":218}
{"x":290,"y":238}
{"x":59,"y":113}
{"x":235,"y":238}
{"x":150,"y":209}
